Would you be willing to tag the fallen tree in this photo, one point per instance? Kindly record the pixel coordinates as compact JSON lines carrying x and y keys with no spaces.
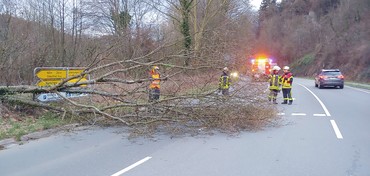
{"x":117,"y":92}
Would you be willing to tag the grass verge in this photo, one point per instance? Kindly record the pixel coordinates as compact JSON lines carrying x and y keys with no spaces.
{"x":358,"y":85}
{"x":17,"y":127}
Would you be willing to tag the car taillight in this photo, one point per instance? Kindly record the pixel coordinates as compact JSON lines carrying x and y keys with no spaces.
{"x":341,"y":76}
{"x":322,"y":77}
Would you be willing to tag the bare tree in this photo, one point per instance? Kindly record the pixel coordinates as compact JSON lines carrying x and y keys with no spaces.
{"x":188,"y":100}
{"x":118,"y":46}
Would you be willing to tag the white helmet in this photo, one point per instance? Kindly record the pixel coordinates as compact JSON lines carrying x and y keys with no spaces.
{"x":226,"y":69}
{"x":276,"y":68}
{"x":286,"y":68}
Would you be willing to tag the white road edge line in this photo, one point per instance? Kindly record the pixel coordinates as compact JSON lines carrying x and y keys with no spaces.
{"x":132,"y":166}
{"x":281,"y":113}
{"x":317,"y":98}
{"x":319,"y":115}
{"x":336,"y":129}
{"x":358,"y":89}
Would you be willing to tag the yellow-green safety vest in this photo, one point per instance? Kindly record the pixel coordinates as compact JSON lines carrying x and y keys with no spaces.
{"x":224,"y":82}
{"x":274,"y":81}
{"x":286,"y":82}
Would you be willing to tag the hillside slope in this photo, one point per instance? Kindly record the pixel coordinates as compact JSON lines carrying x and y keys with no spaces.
{"x":311,"y":35}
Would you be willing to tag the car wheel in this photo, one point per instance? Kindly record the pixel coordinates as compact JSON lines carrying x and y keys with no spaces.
{"x":320,"y":86}
{"x":341,"y":87}
{"x":316,"y":85}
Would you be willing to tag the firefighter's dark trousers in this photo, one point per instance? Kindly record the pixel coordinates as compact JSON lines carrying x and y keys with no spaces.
{"x":273,"y":94}
{"x":225,"y":91}
{"x":287,"y":94}
{"x":154,"y":94}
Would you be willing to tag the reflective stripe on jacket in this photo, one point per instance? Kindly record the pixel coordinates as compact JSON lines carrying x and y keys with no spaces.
{"x":274,"y":81}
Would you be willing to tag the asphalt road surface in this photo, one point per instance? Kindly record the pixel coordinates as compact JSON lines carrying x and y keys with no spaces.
{"x":326,"y":132}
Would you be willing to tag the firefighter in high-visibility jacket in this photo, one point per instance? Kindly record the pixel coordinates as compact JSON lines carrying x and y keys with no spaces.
{"x":287,"y":81}
{"x":224,"y":82}
{"x":274,"y":84}
{"x":155,"y":85}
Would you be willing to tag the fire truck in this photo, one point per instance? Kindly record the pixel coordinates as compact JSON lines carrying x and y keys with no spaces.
{"x":261,"y":68}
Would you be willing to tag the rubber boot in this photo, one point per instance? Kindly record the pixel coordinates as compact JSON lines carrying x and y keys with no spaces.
{"x":290,"y":102}
{"x":274,"y":101}
{"x":284,"y":102}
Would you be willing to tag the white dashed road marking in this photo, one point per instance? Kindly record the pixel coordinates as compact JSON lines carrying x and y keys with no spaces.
{"x":336,"y":129}
{"x":317,"y":98}
{"x":299,"y":114}
{"x":132,"y":166}
{"x":327,"y":113}
{"x":319,"y":115}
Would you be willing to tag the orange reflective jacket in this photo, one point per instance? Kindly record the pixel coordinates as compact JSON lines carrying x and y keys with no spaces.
{"x":155,"y":84}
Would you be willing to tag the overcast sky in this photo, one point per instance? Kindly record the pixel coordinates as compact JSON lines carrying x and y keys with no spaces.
{"x":256,"y":3}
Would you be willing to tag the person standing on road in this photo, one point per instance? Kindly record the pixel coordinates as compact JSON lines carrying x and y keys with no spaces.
{"x":154,"y":87}
{"x":224,"y":83}
{"x":287,"y":81}
{"x":274,"y":80}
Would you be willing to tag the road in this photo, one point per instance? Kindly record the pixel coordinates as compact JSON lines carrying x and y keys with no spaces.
{"x":325,"y":132}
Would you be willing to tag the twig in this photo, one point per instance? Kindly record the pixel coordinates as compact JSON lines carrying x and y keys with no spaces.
{"x":94,"y":108}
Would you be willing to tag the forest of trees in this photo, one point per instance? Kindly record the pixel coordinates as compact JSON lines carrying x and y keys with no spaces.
{"x":314,"y":34}
{"x":82,"y":33}
{"x":301,"y":33}
{"x":118,"y":41}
